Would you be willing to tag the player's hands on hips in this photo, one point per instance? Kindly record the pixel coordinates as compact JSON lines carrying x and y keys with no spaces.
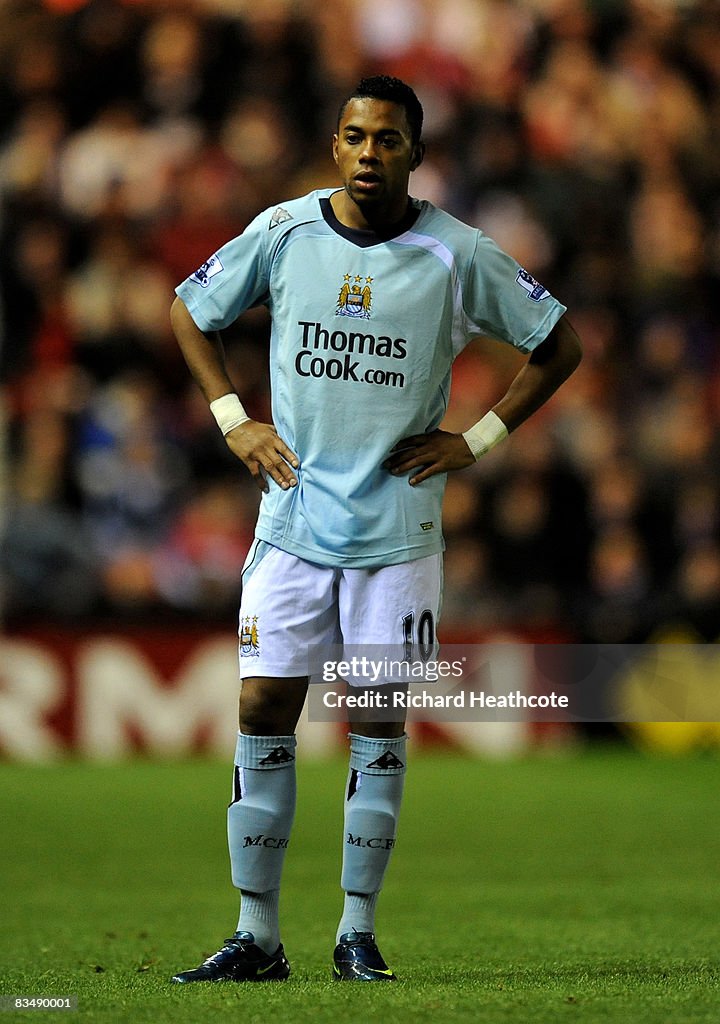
{"x":436,"y":452}
{"x":264,"y":453}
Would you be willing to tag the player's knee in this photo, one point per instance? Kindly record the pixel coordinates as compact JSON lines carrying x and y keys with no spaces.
{"x":263,"y":712}
{"x":259,"y":718}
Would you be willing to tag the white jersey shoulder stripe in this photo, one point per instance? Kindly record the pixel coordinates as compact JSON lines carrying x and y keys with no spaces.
{"x":443,"y":253}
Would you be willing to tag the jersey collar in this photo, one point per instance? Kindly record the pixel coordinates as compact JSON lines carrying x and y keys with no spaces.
{"x":367,"y":237}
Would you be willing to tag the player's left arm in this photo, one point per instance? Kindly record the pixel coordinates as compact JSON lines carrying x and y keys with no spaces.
{"x":547,"y":367}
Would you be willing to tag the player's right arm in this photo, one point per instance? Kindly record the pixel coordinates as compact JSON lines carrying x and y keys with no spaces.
{"x":257,"y":445}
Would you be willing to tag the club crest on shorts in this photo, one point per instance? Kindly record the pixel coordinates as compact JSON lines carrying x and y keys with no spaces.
{"x":354,"y":300}
{"x":249,"y":641}
{"x":534,"y":289}
{"x":209,"y":269}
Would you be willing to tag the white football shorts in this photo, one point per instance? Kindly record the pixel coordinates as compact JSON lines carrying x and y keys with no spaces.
{"x":290,"y":607}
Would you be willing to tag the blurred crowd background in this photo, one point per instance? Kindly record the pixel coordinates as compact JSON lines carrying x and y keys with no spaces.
{"x":136,"y":137}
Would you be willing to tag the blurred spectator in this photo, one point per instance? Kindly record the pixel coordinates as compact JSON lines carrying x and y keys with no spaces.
{"x":46,"y":563}
{"x":617,"y":607}
{"x":199,"y":567}
{"x":695,"y":600}
{"x":116,"y":304}
{"x":129,"y":475}
{"x":115,"y":165}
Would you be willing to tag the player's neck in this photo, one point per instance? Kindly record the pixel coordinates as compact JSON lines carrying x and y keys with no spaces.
{"x":380,"y":219}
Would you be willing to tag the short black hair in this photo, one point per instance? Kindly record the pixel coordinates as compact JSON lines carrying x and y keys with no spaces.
{"x":385,"y":87}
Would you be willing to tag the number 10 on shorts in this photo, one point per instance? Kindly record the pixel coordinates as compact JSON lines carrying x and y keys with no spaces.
{"x":421,"y":644}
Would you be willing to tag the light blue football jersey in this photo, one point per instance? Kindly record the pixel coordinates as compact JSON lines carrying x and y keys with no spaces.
{"x":364,"y":333}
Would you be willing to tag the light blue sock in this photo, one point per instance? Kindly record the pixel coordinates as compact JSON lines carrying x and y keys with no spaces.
{"x":372,"y":807}
{"x":260,"y":818}
{"x":259,"y":914}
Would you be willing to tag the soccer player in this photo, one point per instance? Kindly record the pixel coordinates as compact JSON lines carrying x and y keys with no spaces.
{"x":372,"y":294}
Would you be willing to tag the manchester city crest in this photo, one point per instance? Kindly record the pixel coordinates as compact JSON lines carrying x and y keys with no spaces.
{"x":355,"y":299}
{"x":249,"y":640}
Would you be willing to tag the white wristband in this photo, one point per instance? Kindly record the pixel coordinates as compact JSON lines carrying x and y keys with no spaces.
{"x":228,"y":412}
{"x":486,"y":433}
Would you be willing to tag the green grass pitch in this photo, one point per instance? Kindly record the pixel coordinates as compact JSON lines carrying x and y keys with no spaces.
{"x":552,"y":889}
